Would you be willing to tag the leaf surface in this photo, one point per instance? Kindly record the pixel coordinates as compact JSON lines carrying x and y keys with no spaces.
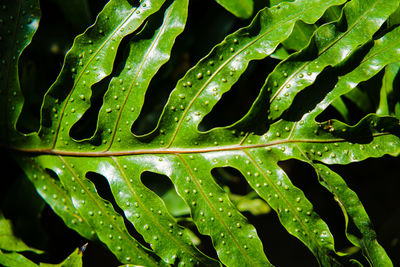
{"x":240,"y":8}
{"x":9,"y":241}
{"x":282,"y":124}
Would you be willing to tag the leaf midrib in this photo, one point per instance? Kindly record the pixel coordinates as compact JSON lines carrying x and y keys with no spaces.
{"x":47,"y":151}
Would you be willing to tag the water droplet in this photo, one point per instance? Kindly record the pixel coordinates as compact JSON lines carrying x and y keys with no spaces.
{"x":199,"y":75}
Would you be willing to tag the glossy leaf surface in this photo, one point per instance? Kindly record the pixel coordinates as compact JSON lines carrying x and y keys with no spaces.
{"x":240,"y":8}
{"x":128,"y":44}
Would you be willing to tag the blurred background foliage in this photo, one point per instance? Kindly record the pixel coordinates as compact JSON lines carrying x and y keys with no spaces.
{"x":376,"y":181}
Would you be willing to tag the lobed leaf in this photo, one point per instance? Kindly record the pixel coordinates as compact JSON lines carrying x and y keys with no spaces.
{"x":331,"y":44}
{"x":19,"y":21}
{"x":107,"y":223}
{"x":88,"y":61}
{"x":199,"y":90}
{"x":352,"y":207}
{"x":177,"y":149}
{"x":57,"y":196}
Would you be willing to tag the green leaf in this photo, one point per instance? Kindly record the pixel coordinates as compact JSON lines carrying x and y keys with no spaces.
{"x":341,"y":107}
{"x":239,"y":8}
{"x":352,"y":207}
{"x":82,"y":67}
{"x":9,"y":241}
{"x":330,"y":45}
{"x":282,"y":124}
{"x":216,"y":73}
{"x":391,"y":71}
{"x":394,"y":18}
{"x":73,"y":260}
{"x":384,"y":52}
{"x":250,"y":203}
{"x":300,"y":36}
{"x":14,"y":259}
{"x":19,"y":22}
{"x":56,"y":195}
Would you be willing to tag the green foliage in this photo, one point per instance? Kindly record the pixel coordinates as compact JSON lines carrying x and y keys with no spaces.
{"x":328,"y":51}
